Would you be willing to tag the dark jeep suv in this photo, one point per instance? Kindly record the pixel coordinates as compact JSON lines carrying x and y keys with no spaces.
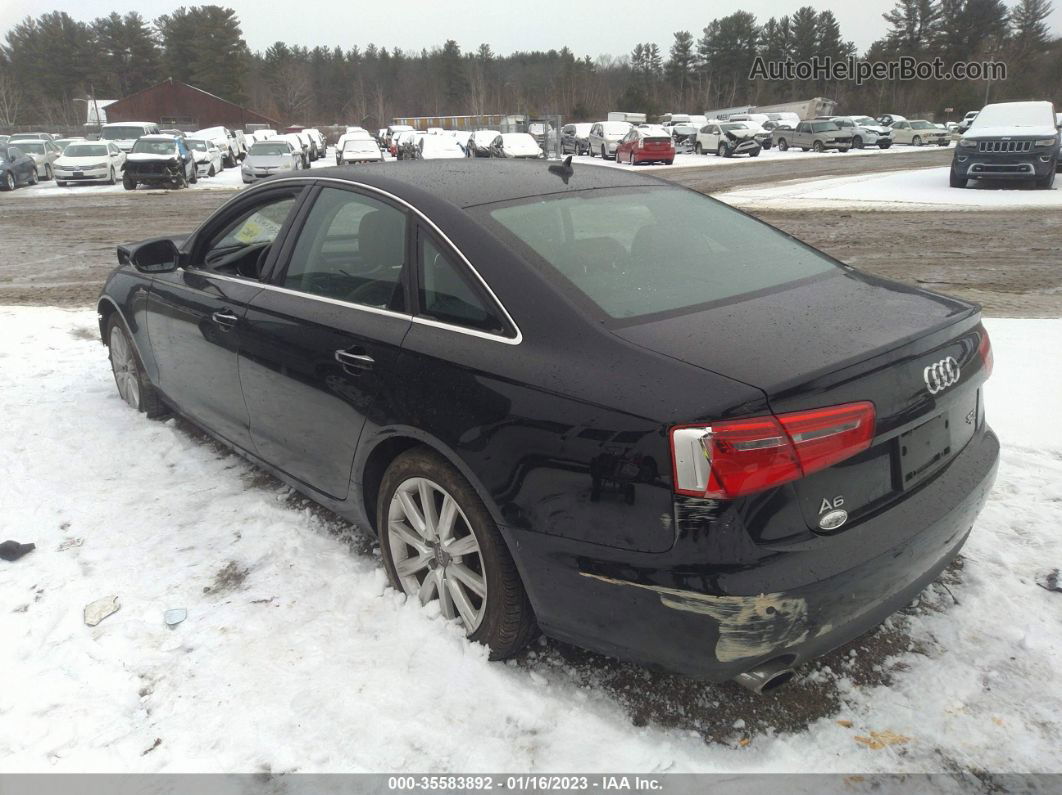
{"x":1009,"y":140}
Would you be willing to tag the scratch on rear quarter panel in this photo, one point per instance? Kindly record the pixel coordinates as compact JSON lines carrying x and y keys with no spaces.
{"x":749,"y":626}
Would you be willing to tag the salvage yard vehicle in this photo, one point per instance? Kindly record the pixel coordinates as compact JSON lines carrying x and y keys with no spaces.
{"x":919,"y":132}
{"x":159,"y":161}
{"x":605,"y":136}
{"x":44,"y":154}
{"x":1009,"y":141}
{"x":89,"y":161}
{"x":225,"y":140}
{"x":208,"y":158}
{"x":439,"y":147}
{"x":727,"y":139}
{"x":516,"y":146}
{"x":16,"y":167}
{"x":266,"y":158}
{"x":479,"y":143}
{"x":575,"y":138}
{"x":125,"y":134}
{"x":646,"y":143}
{"x":62,"y":143}
{"x":817,"y":135}
{"x":361,"y":149}
{"x":726,"y":511}
{"x":865,"y":131}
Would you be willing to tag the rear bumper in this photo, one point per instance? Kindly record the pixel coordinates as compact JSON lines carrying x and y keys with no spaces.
{"x":682,"y":612}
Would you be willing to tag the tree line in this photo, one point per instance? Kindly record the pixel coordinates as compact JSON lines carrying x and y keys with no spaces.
{"x":49,"y":62}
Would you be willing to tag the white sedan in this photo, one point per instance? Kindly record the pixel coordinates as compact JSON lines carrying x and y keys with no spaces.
{"x":89,"y":161}
{"x":439,"y":147}
{"x":358,"y":150}
{"x":208,"y":158}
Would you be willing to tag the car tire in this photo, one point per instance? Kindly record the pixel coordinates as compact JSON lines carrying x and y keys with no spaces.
{"x":59,"y":184}
{"x":500,"y":616}
{"x":195,"y":177}
{"x":112,"y":180}
{"x":48,"y":173}
{"x":33,"y":178}
{"x":604,"y":152}
{"x":133,"y":386}
{"x":211,"y":172}
{"x":916,"y":141}
{"x":943,"y":143}
{"x":128,"y":183}
{"x":698,"y":149}
{"x":668,"y":162}
{"x":754,"y":153}
{"x":1047,"y":181}
{"x":783,"y":145}
{"x":818,"y":147}
{"x":885,"y":145}
{"x":857,"y":142}
{"x":720,"y":150}
{"x":955,"y":181}
{"x":9,"y":181}
{"x":843,"y":149}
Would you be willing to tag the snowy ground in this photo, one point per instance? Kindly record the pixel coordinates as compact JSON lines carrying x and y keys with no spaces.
{"x":712,"y":160}
{"x":919,"y":189}
{"x":295,"y":654}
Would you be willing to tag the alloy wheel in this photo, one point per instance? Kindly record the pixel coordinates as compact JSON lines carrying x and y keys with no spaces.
{"x":124,"y":366}
{"x":9,"y":181}
{"x":435,"y":552}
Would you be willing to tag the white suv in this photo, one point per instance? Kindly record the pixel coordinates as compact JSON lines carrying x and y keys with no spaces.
{"x":865,"y":131}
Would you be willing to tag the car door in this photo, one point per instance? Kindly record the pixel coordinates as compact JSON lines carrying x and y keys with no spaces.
{"x":901,"y":132}
{"x":710,"y":140}
{"x":195,"y":314}
{"x":319,"y":344}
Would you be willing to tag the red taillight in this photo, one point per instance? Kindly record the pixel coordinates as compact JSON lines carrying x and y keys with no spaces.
{"x":732,"y":458}
{"x":984,"y":349}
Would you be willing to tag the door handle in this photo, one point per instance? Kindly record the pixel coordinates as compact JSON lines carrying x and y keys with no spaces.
{"x":355,"y":358}
{"x":225,"y":318}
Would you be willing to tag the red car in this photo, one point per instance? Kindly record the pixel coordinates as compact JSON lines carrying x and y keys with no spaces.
{"x":648,"y":143}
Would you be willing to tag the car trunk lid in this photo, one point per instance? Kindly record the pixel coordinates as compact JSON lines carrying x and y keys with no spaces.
{"x":842,"y":339}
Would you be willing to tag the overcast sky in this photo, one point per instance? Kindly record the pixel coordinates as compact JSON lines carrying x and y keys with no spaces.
{"x":595,"y":28}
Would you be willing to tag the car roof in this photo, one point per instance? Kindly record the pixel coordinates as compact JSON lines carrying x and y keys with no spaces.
{"x":159,"y":137}
{"x":470,"y":182}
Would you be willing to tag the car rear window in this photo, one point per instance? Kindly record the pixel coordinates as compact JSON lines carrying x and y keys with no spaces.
{"x":636,"y":252}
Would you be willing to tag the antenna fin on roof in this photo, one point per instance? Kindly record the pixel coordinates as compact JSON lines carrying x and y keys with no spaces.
{"x":563,"y":170}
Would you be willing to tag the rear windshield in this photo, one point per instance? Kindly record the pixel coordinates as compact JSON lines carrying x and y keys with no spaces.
{"x":643,"y":251}
{"x":267,"y":148}
{"x":197,"y":144}
{"x":121,"y":133}
{"x":34,"y":147}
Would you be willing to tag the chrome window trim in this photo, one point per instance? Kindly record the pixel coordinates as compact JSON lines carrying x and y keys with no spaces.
{"x":423,"y":321}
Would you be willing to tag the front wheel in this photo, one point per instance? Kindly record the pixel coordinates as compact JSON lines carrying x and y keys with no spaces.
{"x":128,"y":183}
{"x":1046,"y":181}
{"x":48,"y":174}
{"x":9,"y":181}
{"x":956,"y":181}
{"x":916,"y":141}
{"x":112,"y":179}
{"x":212,"y":172}
{"x":818,"y":147}
{"x":722,"y":151}
{"x":857,"y":142}
{"x":783,"y":145}
{"x":698,"y":149}
{"x":133,"y":387}
{"x":439,"y":543}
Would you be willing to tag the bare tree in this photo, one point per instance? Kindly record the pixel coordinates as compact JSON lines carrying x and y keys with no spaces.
{"x":10,"y":99}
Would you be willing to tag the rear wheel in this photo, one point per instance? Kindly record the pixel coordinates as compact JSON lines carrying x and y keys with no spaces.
{"x":439,"y":542}
{"x":33,"y":179}
{"x":722,"y":150}
{"x":133,"y":386}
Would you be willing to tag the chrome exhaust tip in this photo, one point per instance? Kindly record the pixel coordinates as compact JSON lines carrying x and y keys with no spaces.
{"x":769,"y":676}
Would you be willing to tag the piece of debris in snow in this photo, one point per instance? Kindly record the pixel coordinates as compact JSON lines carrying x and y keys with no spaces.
{"x":96,"y":611}
{"x":154,"y":745}
{"x":12,"y":550}
{"x":69,"y":543}
{"x":174,"y":616}
{"x":1050,"y":582}
{"x":879,"y":740}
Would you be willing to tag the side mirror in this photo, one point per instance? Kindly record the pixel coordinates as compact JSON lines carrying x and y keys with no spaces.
{"x":151,"y":256}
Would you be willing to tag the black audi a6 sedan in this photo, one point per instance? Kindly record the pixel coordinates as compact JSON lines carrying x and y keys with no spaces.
{"x":585,"y":401}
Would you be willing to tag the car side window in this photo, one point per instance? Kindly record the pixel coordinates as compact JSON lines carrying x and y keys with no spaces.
{"x":240,"y":247}
{"x":352,"y":248}
{"x":447,"y":292}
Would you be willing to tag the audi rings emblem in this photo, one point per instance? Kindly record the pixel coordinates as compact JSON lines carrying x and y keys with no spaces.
{"x":940,"y":375}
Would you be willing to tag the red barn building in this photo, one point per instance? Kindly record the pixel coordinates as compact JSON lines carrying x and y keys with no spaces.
{"x":172,"y":103}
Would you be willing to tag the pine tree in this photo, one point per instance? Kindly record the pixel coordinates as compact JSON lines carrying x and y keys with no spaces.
{"x":1027,"y":21}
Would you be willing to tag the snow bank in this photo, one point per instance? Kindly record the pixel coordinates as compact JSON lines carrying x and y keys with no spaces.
{"x":297,"y":656}
{"x":921,"y":189}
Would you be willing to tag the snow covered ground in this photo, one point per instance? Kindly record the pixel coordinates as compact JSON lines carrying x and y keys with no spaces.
{"x":919,"y":189}
{"x":712,"y":160}
{"x":295,"y":654}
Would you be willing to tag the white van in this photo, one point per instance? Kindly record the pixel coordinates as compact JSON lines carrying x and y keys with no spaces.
{"x":124,"y":133}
